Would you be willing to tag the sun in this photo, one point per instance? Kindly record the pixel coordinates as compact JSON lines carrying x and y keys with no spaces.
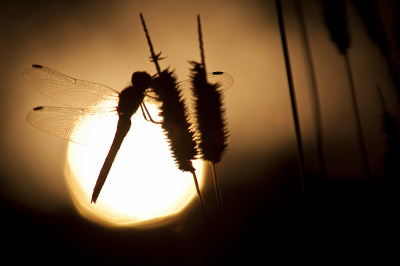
{"x":144,"y":185}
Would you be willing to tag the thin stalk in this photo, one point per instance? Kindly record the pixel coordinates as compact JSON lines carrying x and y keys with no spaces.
{"x":201,"y":200}
{"x":218,"y":195}
{"x":200,"y":32}
{"x":303,"y":173}
{"x":153,"y":55}
{"x":358,"y":122}
{"x":317,"y":104}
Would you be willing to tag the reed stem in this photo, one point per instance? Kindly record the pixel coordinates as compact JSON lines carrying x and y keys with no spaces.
{"x":358,"y":121}
{"x":201,"y":43}
{"x":201,"y":202}
{"x":317,"y":104}
{"x":303,"y":173}
{"x":218,"y":195}
{"x":153,"y":55}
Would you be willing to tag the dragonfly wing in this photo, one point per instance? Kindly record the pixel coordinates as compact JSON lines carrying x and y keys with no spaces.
{"x":224,"y":80}
{"x":69,"y":91}
{"x":77,"y":125}
{"x":186,"y":89}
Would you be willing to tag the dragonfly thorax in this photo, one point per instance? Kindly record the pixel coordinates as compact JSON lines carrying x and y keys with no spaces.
{"x":131,"y":97}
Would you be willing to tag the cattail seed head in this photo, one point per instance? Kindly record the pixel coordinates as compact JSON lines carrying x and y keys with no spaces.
{"x":335,"y":16}
{"x":212,"y":133}
{"x":175,"y":122}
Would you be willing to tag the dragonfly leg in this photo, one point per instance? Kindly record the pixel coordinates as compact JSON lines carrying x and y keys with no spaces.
{"x":144,"y":114}
{"x":144,"y":108}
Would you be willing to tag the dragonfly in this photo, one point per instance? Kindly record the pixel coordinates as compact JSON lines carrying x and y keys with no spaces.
{"x":93,"y":103}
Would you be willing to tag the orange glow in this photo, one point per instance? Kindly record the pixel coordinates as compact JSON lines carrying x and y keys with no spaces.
{"x":144,"y":184}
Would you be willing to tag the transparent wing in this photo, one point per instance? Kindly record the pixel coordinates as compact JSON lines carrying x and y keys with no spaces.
{"x":77,"y":125}
{"x":69,"y":91}
{"x":223,"y":79}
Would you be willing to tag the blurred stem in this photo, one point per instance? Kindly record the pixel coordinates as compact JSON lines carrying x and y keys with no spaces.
{"x":218,"y":194}
{"x":317,"y":105}
{"x":303,"y":173}
{"x":202,"y":203}
{"x":358,"y":122}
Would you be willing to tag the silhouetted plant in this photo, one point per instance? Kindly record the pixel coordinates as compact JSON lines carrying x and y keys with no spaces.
{"x":303,"y":172}
{"x":334,"y":12}
{"x":175,"y":123}
{"x":211,"y":127}
{"x":335,"y":16}
{"x":392,"y":155}
{"x":368,"y":11}
{"x":317,"y":104}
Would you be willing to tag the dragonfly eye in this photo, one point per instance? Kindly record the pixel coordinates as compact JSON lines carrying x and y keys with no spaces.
{"x":142,"y":79}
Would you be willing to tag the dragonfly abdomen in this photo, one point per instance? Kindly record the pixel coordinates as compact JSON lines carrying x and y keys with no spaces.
{"x":124,"y":124}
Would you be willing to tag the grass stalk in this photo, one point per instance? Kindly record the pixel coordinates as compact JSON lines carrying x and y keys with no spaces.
{"x":314,"y":90}
{"x":358,"y":121}
{"x":303,"y":172}
{"x":218,"y":195}
{"x":334,"y":12}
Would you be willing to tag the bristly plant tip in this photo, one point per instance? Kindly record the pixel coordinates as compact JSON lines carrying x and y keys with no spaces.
{"x":211,"y":128}
{"x":335,"y":16}
{"x":212,"y":131}
{"x":175,"y":122}
{"x":175,"y":125}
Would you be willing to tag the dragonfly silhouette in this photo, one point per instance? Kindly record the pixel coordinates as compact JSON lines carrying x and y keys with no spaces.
{"x":99,"y":103}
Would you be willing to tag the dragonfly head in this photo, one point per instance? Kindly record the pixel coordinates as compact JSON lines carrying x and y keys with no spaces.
{"x":141,"y":79}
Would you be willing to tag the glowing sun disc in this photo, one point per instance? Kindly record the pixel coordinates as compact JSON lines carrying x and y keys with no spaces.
{"x":143,"y":186}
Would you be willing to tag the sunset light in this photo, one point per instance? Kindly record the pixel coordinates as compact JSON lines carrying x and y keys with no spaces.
{"x":144,"y":183}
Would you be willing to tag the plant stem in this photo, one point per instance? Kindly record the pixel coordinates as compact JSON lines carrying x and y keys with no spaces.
{"x":153,"y":55}
{"x":303,"y":173}
{"x":317,"y":105}
{"x":201,"y":43}
{"x":358,"y":122}
{"x":218,"y":194}
{"x":202,"y":203}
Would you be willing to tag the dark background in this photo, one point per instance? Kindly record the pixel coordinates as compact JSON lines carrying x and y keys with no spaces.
{"x":266,"y":217}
